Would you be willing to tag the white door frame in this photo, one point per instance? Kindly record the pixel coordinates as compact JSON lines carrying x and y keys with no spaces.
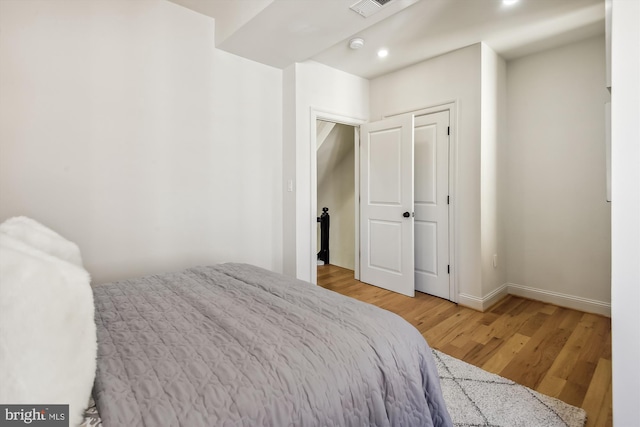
{"x":452,"y":107}
{"x":318,"y":114}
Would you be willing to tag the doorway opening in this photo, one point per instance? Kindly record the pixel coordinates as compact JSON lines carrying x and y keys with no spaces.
{"x":354,"y":123}
{"x":336,"y":195}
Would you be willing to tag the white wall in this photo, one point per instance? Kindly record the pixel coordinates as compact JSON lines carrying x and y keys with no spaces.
{"x":534,"y":195}
{"x":625,"y":205}
{"x":311,"y":87}
{"x":492,"y":165}
{"x":122,"y":127}
{"x":557,"y":220}
{"x":451,"y":77}
{"x":289,"y":208}
{"x":336,"y":190}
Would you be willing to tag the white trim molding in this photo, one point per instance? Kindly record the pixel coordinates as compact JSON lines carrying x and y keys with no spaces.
{"x":562,"y":300}
{"x":556,"y":298}
{"x":482,"y":304}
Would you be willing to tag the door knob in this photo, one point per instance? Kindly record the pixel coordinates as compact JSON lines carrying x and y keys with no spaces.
{"x":406,"y":214}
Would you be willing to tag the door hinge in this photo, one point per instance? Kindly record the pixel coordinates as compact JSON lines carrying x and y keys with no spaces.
{"x":448,"y":130}
{"x":447,"y":199}
{"x":448,"y":269}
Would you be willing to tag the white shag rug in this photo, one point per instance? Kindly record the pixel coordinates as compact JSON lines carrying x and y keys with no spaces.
{"x":479,"y":398}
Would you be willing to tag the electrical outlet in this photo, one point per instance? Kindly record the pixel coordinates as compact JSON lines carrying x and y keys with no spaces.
{"x":495,"y":260}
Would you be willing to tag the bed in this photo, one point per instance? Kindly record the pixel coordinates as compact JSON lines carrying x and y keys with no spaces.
{"x":225,"y":345}
{"x":237,"y":345}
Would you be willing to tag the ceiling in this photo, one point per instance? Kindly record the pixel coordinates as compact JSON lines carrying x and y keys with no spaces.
{"x":282,"y":32}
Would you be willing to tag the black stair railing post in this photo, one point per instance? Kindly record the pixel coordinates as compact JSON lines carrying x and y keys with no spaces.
{"x":323,"y":219}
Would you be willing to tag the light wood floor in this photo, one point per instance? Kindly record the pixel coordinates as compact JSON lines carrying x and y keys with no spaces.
{"x":557,"y":351}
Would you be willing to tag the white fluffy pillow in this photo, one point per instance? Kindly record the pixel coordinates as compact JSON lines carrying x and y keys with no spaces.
{"x":42,"y":238}
{"x":47,"y":330}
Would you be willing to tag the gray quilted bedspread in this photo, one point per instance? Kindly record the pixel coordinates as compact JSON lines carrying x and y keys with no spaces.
{"x":236,"y":345}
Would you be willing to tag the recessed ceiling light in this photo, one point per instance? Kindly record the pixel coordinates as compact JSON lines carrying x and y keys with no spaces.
{"x":509,"y":2}
{"x":382,"y":53}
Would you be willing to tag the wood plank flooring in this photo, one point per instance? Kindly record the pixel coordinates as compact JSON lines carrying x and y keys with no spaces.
{"x":557,"y":351}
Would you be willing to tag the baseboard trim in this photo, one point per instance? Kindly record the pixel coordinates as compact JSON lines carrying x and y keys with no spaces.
{"x":557,"y":298}
{"x":482,"y":304}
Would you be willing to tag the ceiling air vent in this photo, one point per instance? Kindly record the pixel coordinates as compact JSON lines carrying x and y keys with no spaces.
{"x":367,"y":8}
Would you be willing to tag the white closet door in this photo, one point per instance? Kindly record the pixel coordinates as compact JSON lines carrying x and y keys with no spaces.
{"x":386,"y":207}
{"x":431,"y":141}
